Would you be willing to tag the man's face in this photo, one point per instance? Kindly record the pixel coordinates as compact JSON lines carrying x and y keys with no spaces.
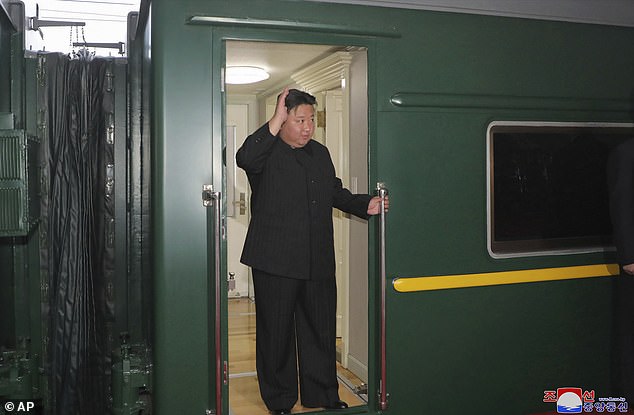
{"x":299,"y":127}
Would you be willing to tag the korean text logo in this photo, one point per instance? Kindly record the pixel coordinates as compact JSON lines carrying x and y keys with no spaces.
{"x":575,"y":400}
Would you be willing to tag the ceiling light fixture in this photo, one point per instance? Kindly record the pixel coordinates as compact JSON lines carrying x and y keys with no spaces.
{"x":245,"y":75}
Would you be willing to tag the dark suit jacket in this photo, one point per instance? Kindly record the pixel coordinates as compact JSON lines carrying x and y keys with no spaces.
{"x":293,"y":193}
{"x":621,"y":185}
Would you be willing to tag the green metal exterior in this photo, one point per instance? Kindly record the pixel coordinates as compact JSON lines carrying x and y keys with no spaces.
{"x":131,"y":380}
{"x":19,"y":182}
{"x":182,"y":163}
{"x":481,"y":350}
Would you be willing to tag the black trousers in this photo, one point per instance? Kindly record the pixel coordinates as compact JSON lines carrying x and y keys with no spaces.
{"x":296,"y":322}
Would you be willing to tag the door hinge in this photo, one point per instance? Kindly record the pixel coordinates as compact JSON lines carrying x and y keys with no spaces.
{"x":208,"y":195}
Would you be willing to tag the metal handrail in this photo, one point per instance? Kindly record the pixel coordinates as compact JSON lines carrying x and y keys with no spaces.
{"x":382,"y":192}
{"x":211,"y":198}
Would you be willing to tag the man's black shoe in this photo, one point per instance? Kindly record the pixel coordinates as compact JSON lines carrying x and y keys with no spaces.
{"x":281,"y":412}
{"x":336,"y":405}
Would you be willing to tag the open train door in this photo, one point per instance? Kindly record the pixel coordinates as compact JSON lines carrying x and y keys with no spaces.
{"x":217,"y":204}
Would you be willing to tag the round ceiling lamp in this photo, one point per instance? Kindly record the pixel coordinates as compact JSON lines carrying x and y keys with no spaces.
{"x":237,"y":75}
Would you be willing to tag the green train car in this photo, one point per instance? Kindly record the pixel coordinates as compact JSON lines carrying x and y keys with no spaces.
{"x":488,"y":288}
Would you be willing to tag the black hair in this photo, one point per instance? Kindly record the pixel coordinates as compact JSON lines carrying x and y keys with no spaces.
{"x":296,"y":98}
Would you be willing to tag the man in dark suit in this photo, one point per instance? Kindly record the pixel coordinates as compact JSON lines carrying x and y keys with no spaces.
{"x":289,"y":246}
{"x":621,"y":186}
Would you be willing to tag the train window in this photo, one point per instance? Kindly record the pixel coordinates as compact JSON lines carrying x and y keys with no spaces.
{"x":547,"y":188}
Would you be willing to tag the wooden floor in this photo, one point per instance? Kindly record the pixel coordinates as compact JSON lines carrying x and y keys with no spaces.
{"x":244,"y":395}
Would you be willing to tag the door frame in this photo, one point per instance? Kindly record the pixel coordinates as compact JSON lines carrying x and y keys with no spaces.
{"x":302,"y":34}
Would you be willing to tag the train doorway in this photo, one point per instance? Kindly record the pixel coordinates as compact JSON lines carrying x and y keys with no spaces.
{"x":337,"y":77}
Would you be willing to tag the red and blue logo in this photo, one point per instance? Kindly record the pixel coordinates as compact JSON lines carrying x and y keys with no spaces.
{"x":576,"y":401}
{"x":569,"y":401}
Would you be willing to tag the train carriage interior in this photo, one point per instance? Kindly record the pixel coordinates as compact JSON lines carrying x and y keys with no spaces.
{"x":491,"y":287}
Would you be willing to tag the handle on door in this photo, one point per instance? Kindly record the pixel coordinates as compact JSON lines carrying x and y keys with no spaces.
{"x":382,"y":192}
{"x":213,"y":199}
{"x":242,"y":203}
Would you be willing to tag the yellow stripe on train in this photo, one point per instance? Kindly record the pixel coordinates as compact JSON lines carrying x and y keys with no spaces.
{"x":444,"y":282}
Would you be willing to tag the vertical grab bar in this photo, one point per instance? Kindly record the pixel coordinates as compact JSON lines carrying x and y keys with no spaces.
{"x":382,"y":192}
{"x":211,"y":198}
